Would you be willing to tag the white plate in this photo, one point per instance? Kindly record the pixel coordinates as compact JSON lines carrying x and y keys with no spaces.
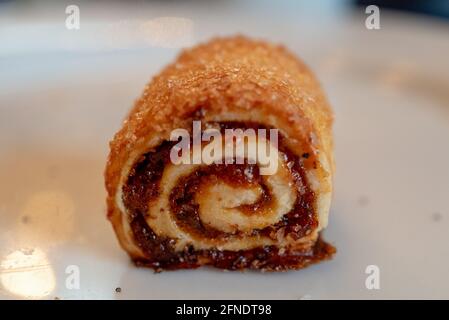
{"x":62,"y":101}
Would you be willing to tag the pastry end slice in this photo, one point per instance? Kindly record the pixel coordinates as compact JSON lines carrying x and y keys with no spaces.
{"x":177,"y":199}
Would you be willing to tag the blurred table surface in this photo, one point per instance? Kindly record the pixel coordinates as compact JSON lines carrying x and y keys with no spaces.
{"x":65,"y":92}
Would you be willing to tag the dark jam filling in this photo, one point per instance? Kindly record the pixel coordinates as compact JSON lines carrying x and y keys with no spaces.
{"x":142,"y":186}
{"x":185,"y":209}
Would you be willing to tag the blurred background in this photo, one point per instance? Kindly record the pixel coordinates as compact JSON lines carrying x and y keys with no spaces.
{"x":70,"y":71}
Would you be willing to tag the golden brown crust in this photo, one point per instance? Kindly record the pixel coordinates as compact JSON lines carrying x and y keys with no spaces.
{"x":226,"y":75}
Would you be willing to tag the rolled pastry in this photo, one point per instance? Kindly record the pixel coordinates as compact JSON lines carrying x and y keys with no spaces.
{"x":182,"y":213}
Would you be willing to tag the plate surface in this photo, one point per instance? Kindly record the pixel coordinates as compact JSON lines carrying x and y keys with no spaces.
{"x":64,"y":97}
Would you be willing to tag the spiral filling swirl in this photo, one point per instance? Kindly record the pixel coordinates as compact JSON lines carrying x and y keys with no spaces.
{"x":187,"y":215}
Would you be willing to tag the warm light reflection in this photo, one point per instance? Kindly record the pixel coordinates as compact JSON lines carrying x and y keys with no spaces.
{"x":27,"y":273}
{"x":397,"y":75}
{"x":169,"y":32}
{"x":47,"y":218}
{"x":334,"y":62}
{"x":165,"y":32}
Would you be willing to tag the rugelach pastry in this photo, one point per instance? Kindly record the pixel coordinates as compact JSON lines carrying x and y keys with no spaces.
{"x":186,"y":212}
